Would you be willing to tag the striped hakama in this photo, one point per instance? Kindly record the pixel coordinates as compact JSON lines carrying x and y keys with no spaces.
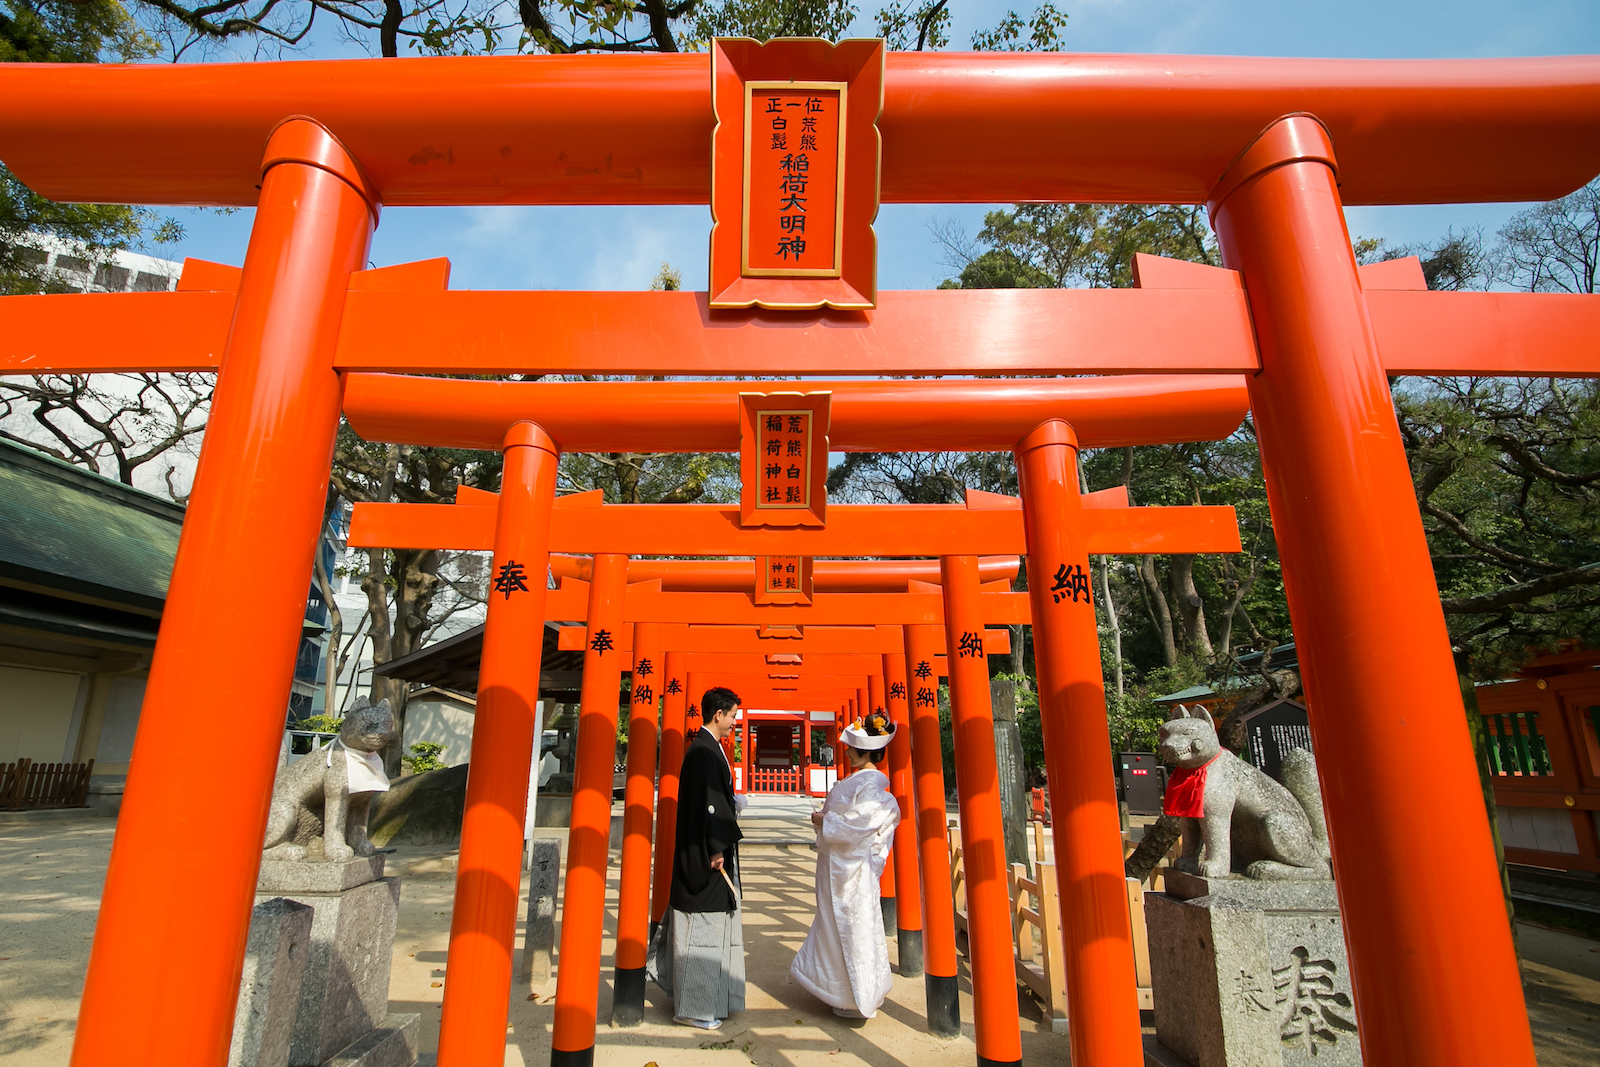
{"x":700,"y":962}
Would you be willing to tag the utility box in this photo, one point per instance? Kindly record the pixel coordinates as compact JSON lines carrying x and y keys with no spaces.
{"x":1141,"y":782}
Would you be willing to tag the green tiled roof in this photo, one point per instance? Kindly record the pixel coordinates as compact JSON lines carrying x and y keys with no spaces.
{"x":1194,"y":692}
{"x":67,"y":529}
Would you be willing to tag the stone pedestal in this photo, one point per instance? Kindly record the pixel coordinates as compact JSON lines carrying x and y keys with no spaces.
{"x":1250,"y":974}
{"x":342,"y":1017}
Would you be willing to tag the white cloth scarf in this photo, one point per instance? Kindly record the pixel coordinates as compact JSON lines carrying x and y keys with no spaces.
{"x":845,"y":960}
{"x":364,"y":770}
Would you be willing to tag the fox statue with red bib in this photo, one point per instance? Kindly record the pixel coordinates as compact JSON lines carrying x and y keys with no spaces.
{"x":1235,"y":818}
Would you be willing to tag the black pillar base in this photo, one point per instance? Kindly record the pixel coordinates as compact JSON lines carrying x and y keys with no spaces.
{"x":627,"y":999}
{"x":984,"y":1061}
{"x":581,"y":1058}
{"x":890,"y":912}
{"x":944,"y":1005}
{"x":910,"y":942}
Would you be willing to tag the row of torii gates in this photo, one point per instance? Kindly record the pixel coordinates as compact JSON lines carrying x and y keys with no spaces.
{"x":815,"y":691}
{"x":1053,"y":523}
{"x":296,"y":335}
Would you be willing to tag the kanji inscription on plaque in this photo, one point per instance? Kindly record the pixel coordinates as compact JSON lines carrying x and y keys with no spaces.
{"x":783,"y":580}
{"x":793,"y":197}
{"x":783,"y":459}
{"x":795,"y":163}
{"x":784,"y":438}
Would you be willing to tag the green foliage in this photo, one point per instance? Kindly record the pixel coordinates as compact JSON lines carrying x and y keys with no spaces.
{"x":424,"y":756}
{"x":1135,"y":718}
{"x":1043,"y":32}
{"x":653,"y":478}
{"x":1040,"y":246}
{"x":920,"y":477}
{"x":322,"y":724}
{"x":60,"y":31}
{"x":998,"y":268}
{"x":905,"y":28}
{"x":947,"y":740}
{"x":766,"y":19}
{"x":64,"y":31}
{"x":668,"y":279}
{"x":1508,"y":479}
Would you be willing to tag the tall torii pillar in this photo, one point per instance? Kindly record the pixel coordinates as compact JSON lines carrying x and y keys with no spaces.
{"x":258,"y":493}
{"x":583,"y":904}
{"x":633,"y":896}
{"x":940,"y":967}
{"x":1101,"y":987}
{"x":1365,"y":606}
{"x":908,"y":907}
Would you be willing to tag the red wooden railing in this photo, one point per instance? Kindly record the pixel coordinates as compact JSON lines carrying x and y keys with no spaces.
{"x":1543,"y":738}
{"x":26,"y":785}
{"x":775,"y":780}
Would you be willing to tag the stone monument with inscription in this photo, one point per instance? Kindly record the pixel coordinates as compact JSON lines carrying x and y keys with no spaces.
{"x":1011,"y":771}
{"x":1249,"y":974}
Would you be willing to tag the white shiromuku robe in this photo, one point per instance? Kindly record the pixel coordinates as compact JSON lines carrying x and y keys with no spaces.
{"x":845,"y":960}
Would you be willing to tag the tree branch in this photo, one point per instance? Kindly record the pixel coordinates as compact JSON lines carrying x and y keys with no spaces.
{"x":1522,"y":593}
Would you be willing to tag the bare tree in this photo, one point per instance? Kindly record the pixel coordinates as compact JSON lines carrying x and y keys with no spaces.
{"x":1553,"y":248}
{"x":114,"y":424}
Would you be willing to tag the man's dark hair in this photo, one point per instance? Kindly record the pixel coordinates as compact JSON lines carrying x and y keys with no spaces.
{"x":716,"y":701}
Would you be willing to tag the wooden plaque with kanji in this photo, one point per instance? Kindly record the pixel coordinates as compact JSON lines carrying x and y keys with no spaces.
{"x":783,"y":580}
{"x":794,"y":173}
{"x":783,"y":459}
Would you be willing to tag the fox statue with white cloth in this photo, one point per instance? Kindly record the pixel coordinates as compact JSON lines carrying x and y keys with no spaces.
{"x":845,"y":961}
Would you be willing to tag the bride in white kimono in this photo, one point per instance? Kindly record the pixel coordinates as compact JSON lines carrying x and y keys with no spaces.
{"x":845,"y":960}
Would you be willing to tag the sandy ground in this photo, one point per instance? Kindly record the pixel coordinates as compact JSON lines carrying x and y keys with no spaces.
{"x":52,"y":867}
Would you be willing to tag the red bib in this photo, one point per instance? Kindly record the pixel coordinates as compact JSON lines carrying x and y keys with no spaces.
{"x":1186,"y":791}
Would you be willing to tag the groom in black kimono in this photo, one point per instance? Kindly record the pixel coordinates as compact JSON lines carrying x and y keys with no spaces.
{"x":700,"y":958}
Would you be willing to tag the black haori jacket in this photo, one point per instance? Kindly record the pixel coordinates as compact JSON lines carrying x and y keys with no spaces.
{"x":707,"y":824}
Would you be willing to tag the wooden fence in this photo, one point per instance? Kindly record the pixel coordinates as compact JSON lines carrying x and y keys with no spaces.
{"x":1036,"y":923}
{"x":775,"y":780}
{"x":28,"y":786}
{"x":1036,"y":930}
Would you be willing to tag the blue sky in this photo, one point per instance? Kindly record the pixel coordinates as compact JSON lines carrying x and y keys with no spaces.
{"x":622,"y":247}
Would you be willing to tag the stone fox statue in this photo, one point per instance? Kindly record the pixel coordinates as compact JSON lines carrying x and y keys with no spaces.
{"x":324,"y":796}
{"x":1234,"y":816}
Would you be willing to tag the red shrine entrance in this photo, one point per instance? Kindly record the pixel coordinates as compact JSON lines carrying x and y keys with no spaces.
{"x":1276,"y":149}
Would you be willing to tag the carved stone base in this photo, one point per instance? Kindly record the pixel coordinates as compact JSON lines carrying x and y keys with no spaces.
{"x":1250,"y":974}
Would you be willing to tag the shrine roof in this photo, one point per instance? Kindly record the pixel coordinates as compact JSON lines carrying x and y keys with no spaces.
{"x":453,"y":664}
{"x":1284,"y":657}
{"x":70,"y":533}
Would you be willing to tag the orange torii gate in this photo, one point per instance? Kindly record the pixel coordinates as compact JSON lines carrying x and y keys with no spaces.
{"x":1253,"y":139}
{"x":1105,"y":525}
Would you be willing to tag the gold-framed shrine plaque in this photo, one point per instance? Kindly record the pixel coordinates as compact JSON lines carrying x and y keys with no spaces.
{"x":794,"y":173}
